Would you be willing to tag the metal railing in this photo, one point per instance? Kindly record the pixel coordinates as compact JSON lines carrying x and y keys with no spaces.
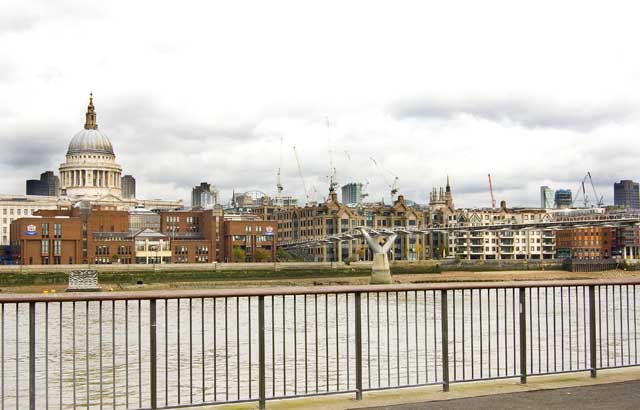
{"x":188,"y":348}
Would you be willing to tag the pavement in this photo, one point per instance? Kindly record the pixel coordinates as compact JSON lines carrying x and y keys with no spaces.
{"x":612,"y":389}
{"x":619,"y":396}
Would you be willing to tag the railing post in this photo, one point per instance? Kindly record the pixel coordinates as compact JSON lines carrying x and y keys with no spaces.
{"x":592,"y":328}
{"x":358,"y":347}
{"x":523,"y":336}
{"x":262,"y":400}
{"x":444,"y":321}
{"x":32,"y":355}
{"x":153,"y":353}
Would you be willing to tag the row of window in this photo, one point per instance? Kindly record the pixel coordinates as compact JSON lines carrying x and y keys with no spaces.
{"x":45,"y":247}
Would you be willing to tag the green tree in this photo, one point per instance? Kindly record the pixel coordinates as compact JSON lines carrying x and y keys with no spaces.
{"x":239,"y":255}
{"x":262,"y":255}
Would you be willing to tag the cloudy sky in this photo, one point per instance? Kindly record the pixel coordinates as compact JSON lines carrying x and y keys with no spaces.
{"x":535,"y":93}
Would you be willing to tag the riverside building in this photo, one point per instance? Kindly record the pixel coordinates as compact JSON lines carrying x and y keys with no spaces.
{"x":102,"y":234}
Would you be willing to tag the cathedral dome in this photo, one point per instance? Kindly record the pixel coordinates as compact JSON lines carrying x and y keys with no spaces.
{"x":90,"y":140}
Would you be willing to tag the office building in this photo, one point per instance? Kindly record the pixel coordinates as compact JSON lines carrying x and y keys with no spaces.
{"x":546,"y":197}
{"x":563,"y":198}
{"x":128,"y":187}
{"x":47,"y":185}
{"x":352,"y":193}
{"x":626,"y":193}
{"x":13,"y":207}
{"x":204,"y":196}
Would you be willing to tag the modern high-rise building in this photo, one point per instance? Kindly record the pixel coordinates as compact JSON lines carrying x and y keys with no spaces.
{"x":546,"y":197}
{"x":352,"y":193}
{"x":626,"y":193}
{"x":563,"y":198}
{"x":47,"y":185}
{"x":204,"y":196}
{"x":128,"y":187}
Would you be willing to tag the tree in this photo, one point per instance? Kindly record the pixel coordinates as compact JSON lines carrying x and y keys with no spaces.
{"x":238,"y":254}
{"x":262,"y":255}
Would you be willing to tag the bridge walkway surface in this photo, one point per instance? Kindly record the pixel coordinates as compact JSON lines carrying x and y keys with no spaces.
{"x":612,"y":389}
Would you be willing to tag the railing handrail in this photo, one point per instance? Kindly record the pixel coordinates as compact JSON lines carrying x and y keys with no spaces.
{"x":302,"y":290}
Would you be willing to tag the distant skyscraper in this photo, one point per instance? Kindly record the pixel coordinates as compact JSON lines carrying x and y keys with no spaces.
{"x":47,"y":185}
{"x":352,"y":193}
{"x":546,"y":197}
{"x":563,"y":198}
{"x":204,"y":196}
{"x":128,"y":187}
{"x":626,"y":193}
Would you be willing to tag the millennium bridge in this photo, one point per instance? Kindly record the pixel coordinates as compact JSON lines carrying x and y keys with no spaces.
{"x":176,"y":349}
{"x":605,"y":221}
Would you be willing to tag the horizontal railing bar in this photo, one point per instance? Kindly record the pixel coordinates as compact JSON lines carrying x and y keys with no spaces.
{"x":622,"y":366}
{"x":480,"y":379}
{"x":210,"y":404}
{"x":402,"y":386}
{"x":302,"y":290}
{"x":580,"y":370}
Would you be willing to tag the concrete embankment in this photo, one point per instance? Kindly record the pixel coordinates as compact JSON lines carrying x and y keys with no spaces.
{"x":58,"y":274}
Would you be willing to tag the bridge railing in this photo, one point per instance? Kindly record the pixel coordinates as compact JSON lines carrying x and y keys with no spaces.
{"x":169,"y":349}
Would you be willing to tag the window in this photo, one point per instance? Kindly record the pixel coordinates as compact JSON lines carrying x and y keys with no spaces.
{"x":45,"y":230}
{"x":44,"y":247}
{"x":102,"y":250}
{"x":57,"y":230}
{"x":57,"y":248}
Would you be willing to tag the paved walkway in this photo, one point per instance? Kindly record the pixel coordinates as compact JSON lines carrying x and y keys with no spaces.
{"x":622,"y":396}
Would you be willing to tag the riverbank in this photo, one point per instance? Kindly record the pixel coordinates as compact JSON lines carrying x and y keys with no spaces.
{"x":357,"y":277}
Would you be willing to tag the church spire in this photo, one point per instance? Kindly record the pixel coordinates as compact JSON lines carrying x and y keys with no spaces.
{"x":448,"y":185}
{"x":90,"y":122}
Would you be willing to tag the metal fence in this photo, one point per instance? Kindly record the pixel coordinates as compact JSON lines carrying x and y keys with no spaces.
{"x":187,"y":348}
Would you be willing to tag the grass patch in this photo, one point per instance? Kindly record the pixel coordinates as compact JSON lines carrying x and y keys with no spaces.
{"x":133,"y":277}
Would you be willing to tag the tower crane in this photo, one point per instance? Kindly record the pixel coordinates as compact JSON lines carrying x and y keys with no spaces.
{"x":393,"y":186}
{"x":582,"y":190}
{"x":364,"y":193}
{"x":333,"y":183}
{"x":599,"y":199}
{"x":493,"y":199}
{"x":279,"y":181}
{"x":307,"y":194}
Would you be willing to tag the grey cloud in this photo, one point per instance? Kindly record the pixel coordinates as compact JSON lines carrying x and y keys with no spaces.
{"x":523,"y":111}
{"x":24,"y":15}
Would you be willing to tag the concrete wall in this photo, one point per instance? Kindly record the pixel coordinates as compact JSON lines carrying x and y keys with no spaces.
{"x":185,"y":267}
{"x":445,"y":264}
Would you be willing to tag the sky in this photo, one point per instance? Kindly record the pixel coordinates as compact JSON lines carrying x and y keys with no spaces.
{"x":532,"y":92}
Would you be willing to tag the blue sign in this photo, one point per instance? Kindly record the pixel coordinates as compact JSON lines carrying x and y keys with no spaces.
{"x":31,"y":230}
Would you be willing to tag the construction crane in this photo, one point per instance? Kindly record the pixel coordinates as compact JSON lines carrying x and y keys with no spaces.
{"x":393,"y":186}
{"x":493,"y":199}
{"x":307,"y":194}
{"x":333,"y":183}
{"x":582,"y":192}
{"x":279,"y":181}
{"x":599,"y":199}
{"x":364,"y":193}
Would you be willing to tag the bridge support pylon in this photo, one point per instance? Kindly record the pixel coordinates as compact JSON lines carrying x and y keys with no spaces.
{"x":380,"y":270}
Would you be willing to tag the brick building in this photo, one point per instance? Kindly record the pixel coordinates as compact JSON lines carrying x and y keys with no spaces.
{"x":102,"y":234}
{"x":249,"y":237}
{"x":586,"y":243}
